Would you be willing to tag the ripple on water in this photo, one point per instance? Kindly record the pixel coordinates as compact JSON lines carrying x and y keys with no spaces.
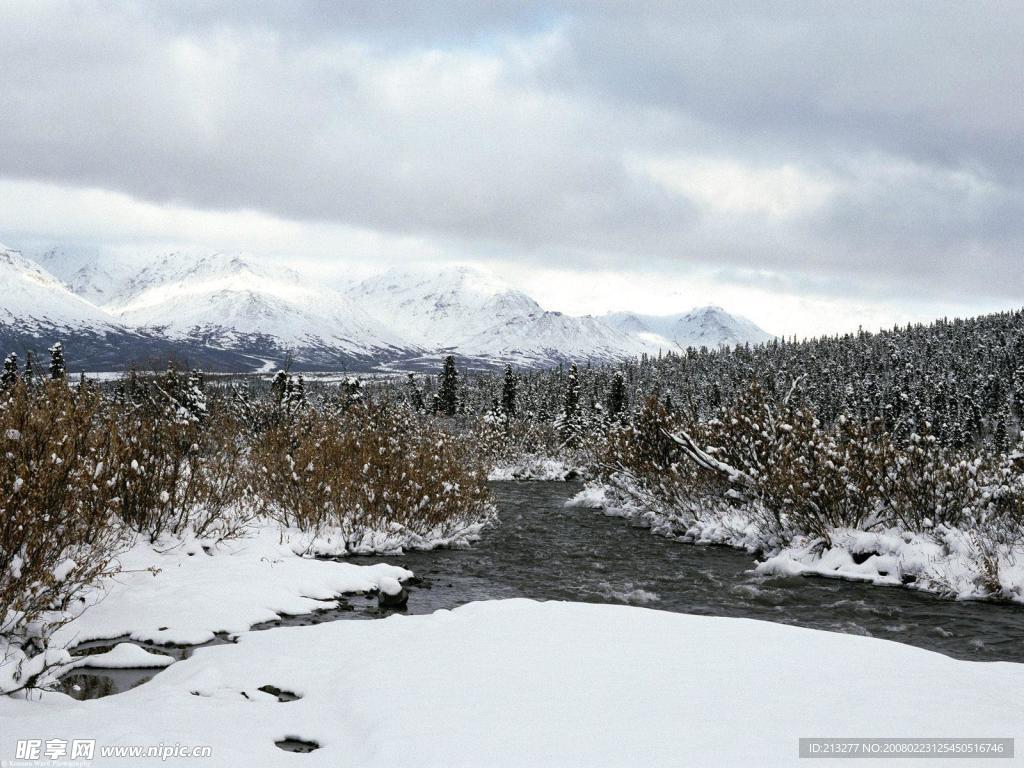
{"x":628,"y":594}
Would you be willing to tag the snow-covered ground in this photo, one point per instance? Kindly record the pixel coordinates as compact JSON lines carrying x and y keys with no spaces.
{"x":185,"y":592}
{"x":124,"y":656}
{"x":948,"y":562}
{"x":522,"y":683}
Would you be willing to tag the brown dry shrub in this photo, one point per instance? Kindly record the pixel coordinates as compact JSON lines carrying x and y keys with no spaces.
{"x":57,"y":535}
{"x":171,"y":472}
{"x":643,"y":465}
{"x":369,"y":470}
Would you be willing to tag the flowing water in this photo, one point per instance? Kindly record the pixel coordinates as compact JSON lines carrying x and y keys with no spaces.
{"x":546,"y":551}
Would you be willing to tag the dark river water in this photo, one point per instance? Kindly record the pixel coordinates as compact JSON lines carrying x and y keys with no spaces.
{"x":544,"y":550}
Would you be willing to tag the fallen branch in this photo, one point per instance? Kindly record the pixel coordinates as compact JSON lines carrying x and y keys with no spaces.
{"x":705,"y":460}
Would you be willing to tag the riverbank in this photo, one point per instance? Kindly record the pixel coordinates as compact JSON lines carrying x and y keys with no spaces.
{"x":186,"y":591}
{"x":537,"y":468}
{"x":947,"y":562}
{"x":517,"y":682}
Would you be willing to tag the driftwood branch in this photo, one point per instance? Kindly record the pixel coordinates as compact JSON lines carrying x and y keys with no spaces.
{"x":705,"y":460}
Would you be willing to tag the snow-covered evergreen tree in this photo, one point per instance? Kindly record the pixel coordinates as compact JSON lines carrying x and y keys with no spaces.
{"x":9,"y":375}
{"x":58,"y":370}
{"x":617,"y":395}
{"x":414,"y":394}
{"x":30,"y":368}
{"x":351,"y":390}
{"x":193,"y":397}
{"x":508,"y":392}
{"x":447,"y":401}
{"x":570,"y":420}
{"x":279,"y":386}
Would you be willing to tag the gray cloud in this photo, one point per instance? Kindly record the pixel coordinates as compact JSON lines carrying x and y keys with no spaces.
{"x":518,"y":129}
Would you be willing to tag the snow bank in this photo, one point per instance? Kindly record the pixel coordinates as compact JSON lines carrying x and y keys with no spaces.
{"x":721,"y":524}
{"x":332,"y":542}
{"x":592,"y":496}
{"x":124,"y":656}
{"x":947,"y":562}
{"x":535,"y":468}
{"x":521,"y":683}
{"x":188,"y":591}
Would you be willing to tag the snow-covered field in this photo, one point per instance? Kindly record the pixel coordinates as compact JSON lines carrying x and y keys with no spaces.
{"x":522,"y":683}
{"x":947,"y":562}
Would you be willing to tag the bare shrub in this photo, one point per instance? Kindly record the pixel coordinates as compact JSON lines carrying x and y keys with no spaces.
{"x":56,"y":533}
{"x":176,"y":466}
{"x":371,"y":470}
{"x":792,"y":476}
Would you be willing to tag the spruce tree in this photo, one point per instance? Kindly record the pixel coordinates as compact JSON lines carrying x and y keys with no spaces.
{"x":569,"y":423}
{"x":295,"y":394}
{"x":508,"y":392}
{"x":9,"y":375}
{"x":352,"y":391}
{"x":448,"y":390}
{"x":617,"y":395}
{"x":414,"y":394}
{"x":57,"y":368}
{"x":279,"y":386}
{"x":193,"y":398}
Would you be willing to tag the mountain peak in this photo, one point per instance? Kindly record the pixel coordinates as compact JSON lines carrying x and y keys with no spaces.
{"x":707,"y":326}
{"x":442,"y":307}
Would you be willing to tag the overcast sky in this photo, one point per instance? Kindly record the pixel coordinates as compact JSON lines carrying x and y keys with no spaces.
{"x":814,"y":166}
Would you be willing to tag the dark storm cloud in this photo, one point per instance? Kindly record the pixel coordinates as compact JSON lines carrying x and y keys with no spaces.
{"x":547,"y":131}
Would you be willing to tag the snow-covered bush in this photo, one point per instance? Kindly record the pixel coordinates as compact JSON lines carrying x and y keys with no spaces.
{"x":175,"y":464}
{"x":374,"y":469}
{"x":641,"y":465}
{"x":57,"y":535}
{"x":794,"y":479}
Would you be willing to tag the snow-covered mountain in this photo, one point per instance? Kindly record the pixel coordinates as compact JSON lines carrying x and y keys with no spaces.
{"x":235,"y":301}
{"x":36,"y":301}
{"x":235,"y":310}
{"x":86,"y":275}
{"x":441,"y":309}
{"x":710,"y":327}
{"x":37,"y":309}
{"x":476,"y":315}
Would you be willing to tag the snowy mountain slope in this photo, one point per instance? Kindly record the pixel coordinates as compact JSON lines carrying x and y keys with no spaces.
{"x":549,"y":338}
{"x":476,"y":315}
{"x":441,"y":309}
{"x":85,"y":275}
{"x":234,"y":308}
{"x":37,"y":309}
{"x":237,"y":302}
{"x":35,"y":300}
{"x":704,"y":326}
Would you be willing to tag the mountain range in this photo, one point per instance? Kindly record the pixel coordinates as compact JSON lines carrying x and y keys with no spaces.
{"x":236,"y":312}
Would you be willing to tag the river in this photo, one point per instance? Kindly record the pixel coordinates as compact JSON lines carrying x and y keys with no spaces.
{"x":546,"y":551}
